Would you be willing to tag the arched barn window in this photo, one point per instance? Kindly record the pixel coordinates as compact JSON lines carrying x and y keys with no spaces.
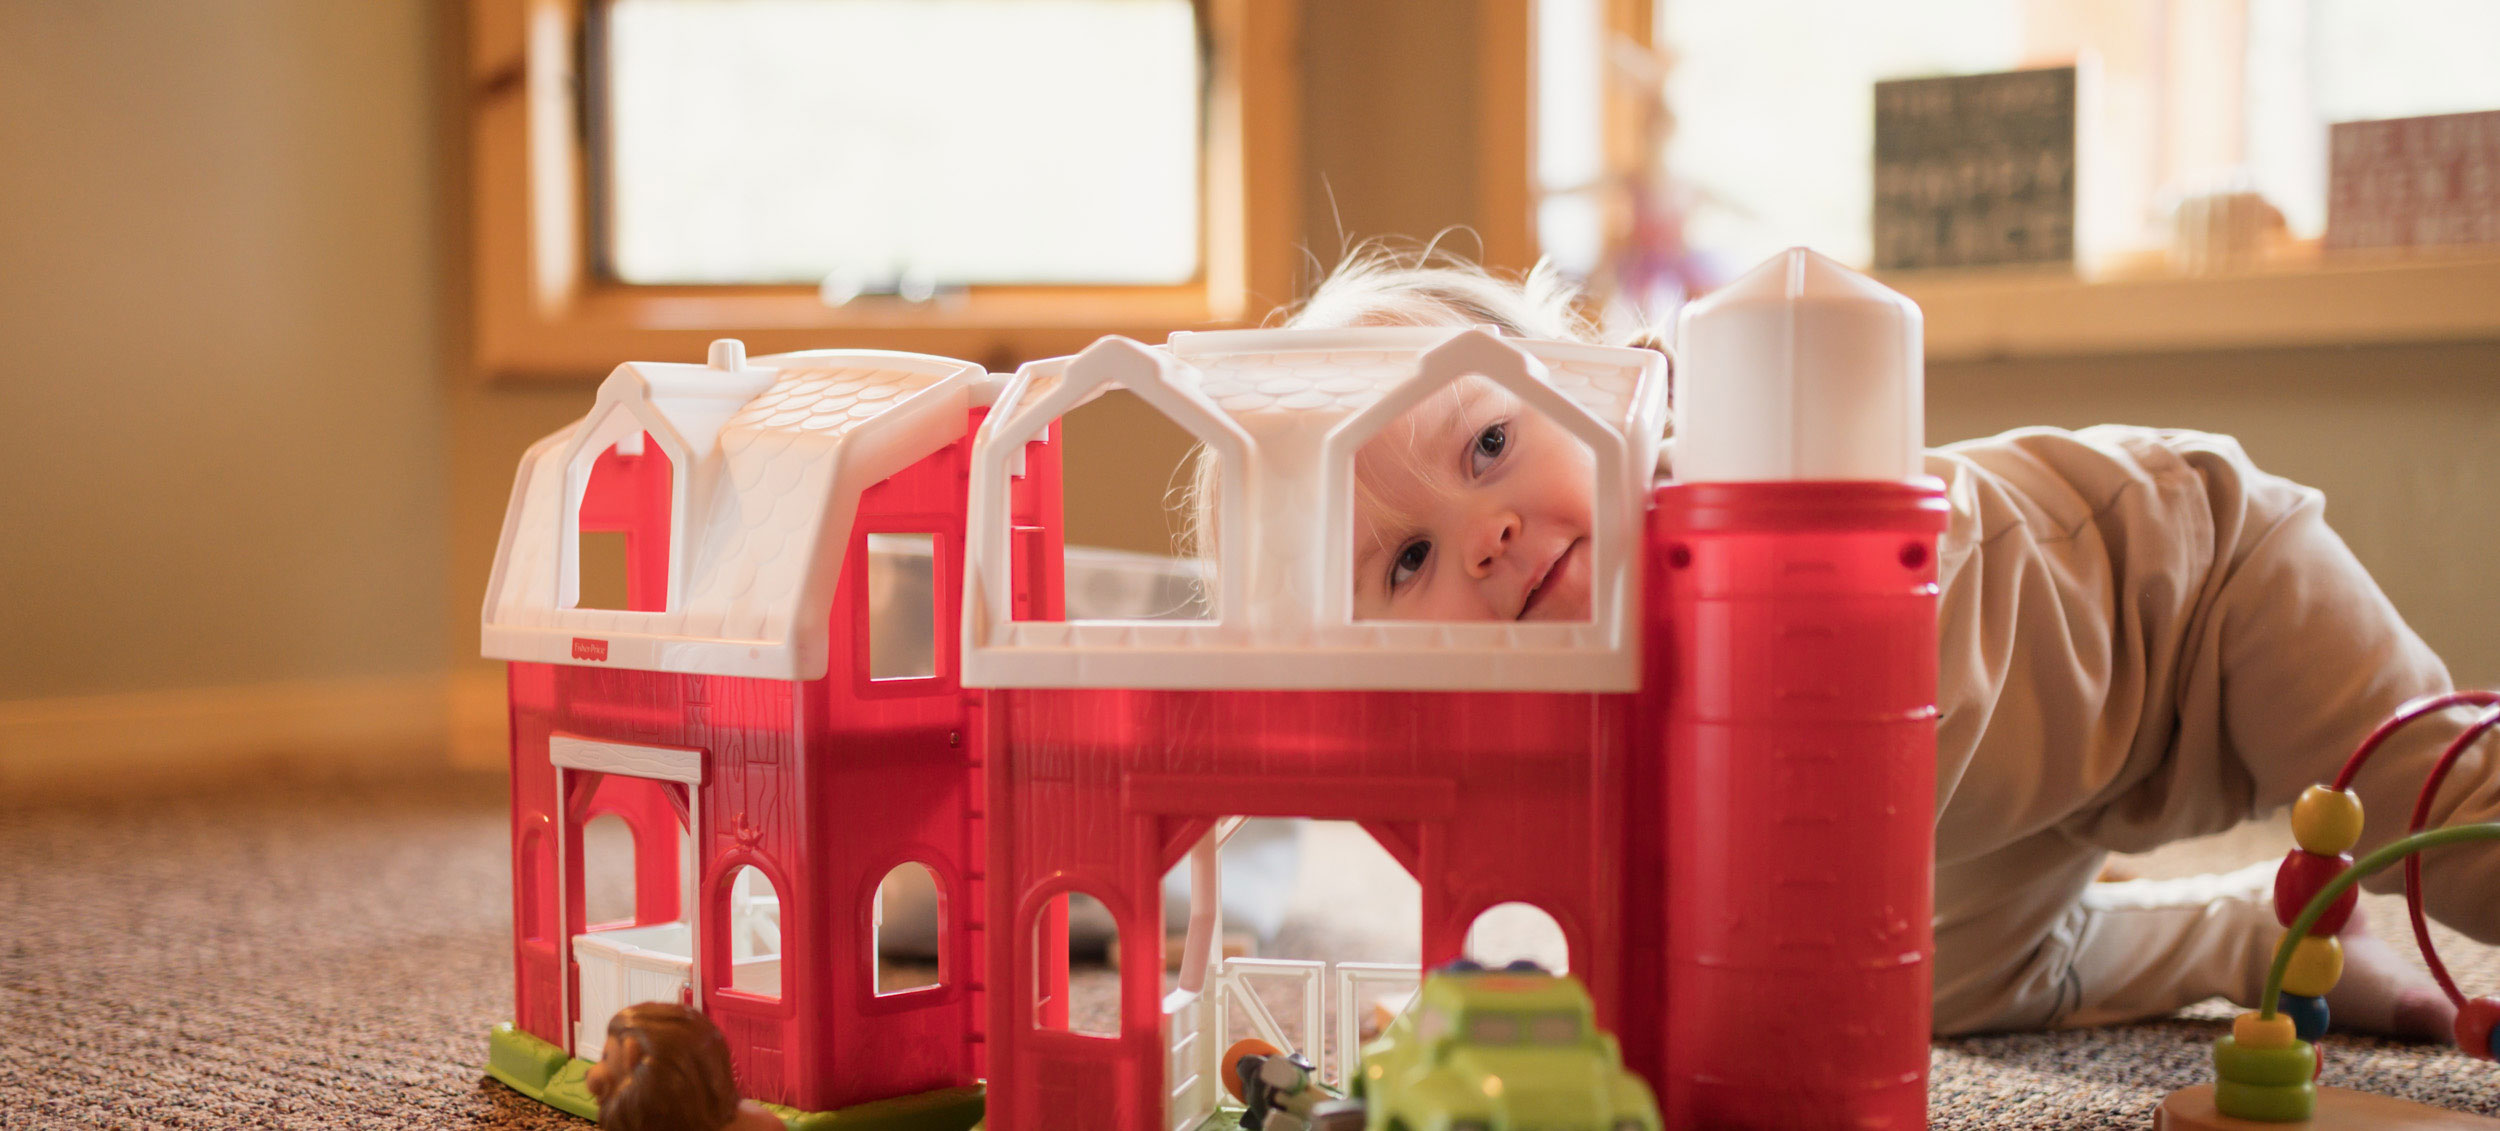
{"x":1092,"y":971}
{"x":910,"y":921}
{"x":754,"y":933}
{"x":1510,"y":932}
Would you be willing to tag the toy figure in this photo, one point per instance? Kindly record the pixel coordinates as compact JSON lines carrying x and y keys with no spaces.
{"x":1282,"y":1091}
{"x":666,"y":1068}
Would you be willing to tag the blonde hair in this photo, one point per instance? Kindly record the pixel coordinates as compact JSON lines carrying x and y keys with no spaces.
{"x":1380,"y":285}
{"x":1385,"y":284}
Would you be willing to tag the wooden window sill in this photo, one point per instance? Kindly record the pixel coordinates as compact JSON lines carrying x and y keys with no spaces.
{"x":2363,"y":298}
{"x":603,"y":326}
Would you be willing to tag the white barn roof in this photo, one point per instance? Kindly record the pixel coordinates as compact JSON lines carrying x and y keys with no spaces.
{"x":769,"y":460}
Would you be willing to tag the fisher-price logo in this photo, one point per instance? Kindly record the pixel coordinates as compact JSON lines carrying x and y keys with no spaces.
{"x":585,"y":648}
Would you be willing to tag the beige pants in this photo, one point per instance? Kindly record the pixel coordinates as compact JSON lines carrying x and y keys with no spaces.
{"x":2104,"y":954}
{"x":2145,"y":638}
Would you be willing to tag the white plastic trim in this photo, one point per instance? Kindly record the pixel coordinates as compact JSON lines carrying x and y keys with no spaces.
{"x":1206,"y":913}
{"x":1596,"y":649}
{"x":1112,"y":362}
{"x":667,"y":763}
{"x":1422,"y":657}
{"x":1295,"y":629}
{"x":622,"y":424}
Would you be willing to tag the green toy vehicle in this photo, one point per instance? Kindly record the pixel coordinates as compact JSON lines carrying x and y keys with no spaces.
{"x":1514,"y":1049}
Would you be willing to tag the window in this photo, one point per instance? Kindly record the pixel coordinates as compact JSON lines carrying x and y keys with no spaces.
{"x":1773,"y":102}
{"x":754,"y":934}
{"x":1514,"y":932}
{"x":1532,"y":558}
{"x":1083,"y":959}
{"x":621,"y":555}
{"x":881,"y":178}
{"x":1766,"y":143}
{"x":902,"y":606}
{"x":652,"y":174}
{"x":909,"y":918}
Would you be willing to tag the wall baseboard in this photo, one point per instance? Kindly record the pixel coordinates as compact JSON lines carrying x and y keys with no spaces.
{"x":142,"y":741}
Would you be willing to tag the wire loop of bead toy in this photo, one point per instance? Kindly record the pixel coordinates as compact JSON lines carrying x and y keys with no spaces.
{"x":2266,"y":1070}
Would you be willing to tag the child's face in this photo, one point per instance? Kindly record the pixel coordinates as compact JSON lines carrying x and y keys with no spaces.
{"x":1470,"y":506}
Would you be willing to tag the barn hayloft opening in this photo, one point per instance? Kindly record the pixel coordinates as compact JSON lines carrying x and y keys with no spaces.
{"x":623,"y":529}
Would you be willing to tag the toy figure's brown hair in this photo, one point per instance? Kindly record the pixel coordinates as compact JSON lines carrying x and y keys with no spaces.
{"x":682,"y":1080}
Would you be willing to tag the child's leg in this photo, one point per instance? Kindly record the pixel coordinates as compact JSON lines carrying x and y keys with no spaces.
{"x":2142,"y":948}
{"x":2026,"y":940}
{"x":2142,"y":936}
{"x":2297,"y":657}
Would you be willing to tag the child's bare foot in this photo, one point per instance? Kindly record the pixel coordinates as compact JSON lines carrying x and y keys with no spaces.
{"x":2382,"y":993}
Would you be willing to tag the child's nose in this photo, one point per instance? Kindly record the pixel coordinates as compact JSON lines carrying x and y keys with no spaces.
{"x":1494,"y":538}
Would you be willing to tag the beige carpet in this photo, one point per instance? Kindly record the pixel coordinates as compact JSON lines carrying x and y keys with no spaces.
{"x":295,"y":956}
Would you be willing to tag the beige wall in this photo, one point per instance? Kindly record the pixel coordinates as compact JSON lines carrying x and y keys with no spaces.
{"x":220,"y":259}
{"x":249,"y":480}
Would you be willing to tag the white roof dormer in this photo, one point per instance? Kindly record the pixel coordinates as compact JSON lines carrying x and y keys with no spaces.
{"x":768,"y":458}
{"x":681,"y":408}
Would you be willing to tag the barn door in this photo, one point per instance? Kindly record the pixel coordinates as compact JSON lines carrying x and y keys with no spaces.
{"x":649,"y":955}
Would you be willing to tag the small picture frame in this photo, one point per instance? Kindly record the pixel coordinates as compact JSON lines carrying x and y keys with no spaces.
{"x":1975,"y":170}
{"x":2413,"y":182}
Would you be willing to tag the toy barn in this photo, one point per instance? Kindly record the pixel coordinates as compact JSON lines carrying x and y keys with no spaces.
{"x":732,"y":713}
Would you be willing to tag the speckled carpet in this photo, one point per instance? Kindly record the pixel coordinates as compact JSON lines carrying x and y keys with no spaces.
{"x":299,"y":956}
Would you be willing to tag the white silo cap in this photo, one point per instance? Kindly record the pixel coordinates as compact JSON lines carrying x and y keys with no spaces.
{"x":1801,"y":369}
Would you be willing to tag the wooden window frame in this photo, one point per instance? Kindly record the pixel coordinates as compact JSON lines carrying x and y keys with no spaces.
{"x":541,"y":309}
{"x":1507,"y":173}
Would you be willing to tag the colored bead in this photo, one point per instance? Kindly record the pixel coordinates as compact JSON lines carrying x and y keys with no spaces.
{"x":2317,"y":964}
{"x":2300,"y":878}
{"x":2327,"y":821}
{"x":2266,"y":1103}
{"x":2253,"y":1030}
{"x":2476,"y":1022}
{"x":2308,"y":1014}
{"x":2290,"y":1064}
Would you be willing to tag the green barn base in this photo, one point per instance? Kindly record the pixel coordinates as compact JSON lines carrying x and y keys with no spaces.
{"x":545,"y":1073}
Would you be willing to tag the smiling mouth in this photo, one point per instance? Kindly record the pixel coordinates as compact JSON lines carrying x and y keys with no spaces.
{"x":1536,"y":592}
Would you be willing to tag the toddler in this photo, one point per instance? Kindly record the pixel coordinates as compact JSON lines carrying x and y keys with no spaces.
{"x":2144,"y":638}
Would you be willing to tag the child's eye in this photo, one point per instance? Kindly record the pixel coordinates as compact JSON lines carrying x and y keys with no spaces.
{"x":1488,"y":447}
{"x":1410,"y":560}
